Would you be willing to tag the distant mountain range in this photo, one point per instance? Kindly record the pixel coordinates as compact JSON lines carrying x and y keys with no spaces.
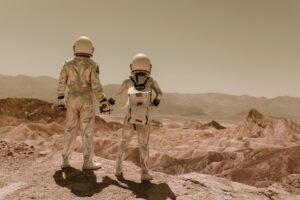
{"x":202,"y":106}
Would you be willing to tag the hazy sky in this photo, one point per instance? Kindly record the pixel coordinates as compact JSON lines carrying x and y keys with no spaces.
{"x":196,"y":46}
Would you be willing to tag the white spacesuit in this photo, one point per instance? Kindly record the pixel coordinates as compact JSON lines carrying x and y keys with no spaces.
{"x":138,"y":117}
{"x":80,"y":75}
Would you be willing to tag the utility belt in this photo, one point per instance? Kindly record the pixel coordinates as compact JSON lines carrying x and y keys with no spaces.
{"x":80,"y":91}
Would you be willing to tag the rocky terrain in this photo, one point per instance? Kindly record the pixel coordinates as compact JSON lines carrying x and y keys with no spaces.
{"x":39,"y":176}
{"x":258,"y":157}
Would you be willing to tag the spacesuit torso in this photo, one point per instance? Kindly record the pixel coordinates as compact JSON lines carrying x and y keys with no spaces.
{"x":150,"y":85}
{"x":80,"y":75}
{"x":139,"y":104}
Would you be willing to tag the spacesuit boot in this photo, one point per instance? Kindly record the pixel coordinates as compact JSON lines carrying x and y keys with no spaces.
{"x":89,"y":164}
{"x":145,"y":176}
{"x":119,"y":171}
{"x":65,"y":164}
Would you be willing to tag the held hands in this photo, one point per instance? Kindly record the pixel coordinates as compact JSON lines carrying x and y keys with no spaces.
{"x":61,"y":104}
{"x":104,"y":106}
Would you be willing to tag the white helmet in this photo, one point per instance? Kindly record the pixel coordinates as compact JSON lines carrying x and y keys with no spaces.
{"x":140,"y":63}
{"x":83,"y":46}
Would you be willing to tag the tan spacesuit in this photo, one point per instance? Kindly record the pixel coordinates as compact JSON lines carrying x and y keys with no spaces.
{"x":138,"y":117}
{"x":80,"y":76}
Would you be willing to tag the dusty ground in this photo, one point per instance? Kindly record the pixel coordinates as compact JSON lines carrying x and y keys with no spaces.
{"x":27,"y":174}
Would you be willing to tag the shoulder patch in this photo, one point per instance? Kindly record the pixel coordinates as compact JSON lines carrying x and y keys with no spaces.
{"x":69,"y":61}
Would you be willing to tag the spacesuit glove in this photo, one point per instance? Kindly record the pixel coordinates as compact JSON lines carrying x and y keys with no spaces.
{"x":104,"y":106}
{"x":61,"y":105}
{"x":156,"y":102}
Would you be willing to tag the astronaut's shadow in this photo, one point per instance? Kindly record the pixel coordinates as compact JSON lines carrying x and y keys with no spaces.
{"x":83,"y":183}
{"x":148,"y":190}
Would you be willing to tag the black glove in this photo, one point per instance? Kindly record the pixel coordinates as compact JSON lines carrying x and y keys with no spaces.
{"x":156,"y":102}
{"x":62,"y":107}
{"x":111,"y":101}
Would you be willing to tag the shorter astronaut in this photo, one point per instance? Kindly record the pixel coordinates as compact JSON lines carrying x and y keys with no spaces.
{"x":139,"y":87}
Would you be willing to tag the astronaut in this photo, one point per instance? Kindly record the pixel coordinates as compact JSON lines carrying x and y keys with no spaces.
{"x":80,"y":77}
{"x":138,"y":117}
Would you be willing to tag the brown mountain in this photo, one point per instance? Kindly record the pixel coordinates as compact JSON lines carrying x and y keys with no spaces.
{"x":205,"y":106}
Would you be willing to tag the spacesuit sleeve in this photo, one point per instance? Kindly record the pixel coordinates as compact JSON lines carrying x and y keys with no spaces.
{"x":62,"y":82}
{"x":156,"y":89}
{"x":121,"y":89}
{"x":96,"y":85}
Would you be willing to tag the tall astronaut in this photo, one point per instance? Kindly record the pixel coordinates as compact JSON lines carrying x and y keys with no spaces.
{"x":138,"y":118}
{"x":80,"y":76}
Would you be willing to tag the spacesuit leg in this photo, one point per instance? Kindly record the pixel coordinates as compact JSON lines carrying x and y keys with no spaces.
{"x":87,"y":124}
{"x":143,"y":139}
{"x":70,"y":132}
{"x":127,"y":134}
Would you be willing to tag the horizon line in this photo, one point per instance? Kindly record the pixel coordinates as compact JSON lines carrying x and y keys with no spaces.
{"x":182,"y":93}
